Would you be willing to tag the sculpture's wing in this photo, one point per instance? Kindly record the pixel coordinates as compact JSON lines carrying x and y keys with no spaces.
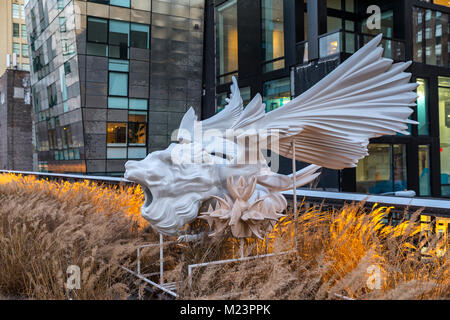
{"x":367,"y":96}
{"x":229,"y":115}
{"x":221,"y":121}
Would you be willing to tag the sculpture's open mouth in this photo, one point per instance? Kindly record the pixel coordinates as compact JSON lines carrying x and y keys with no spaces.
{"x":148,"y":196}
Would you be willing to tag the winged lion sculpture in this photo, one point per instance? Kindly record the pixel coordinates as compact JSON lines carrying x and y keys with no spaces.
{"x":329,"y":126}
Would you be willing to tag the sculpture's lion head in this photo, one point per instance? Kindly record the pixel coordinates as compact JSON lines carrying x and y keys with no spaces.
{"x":174,"y":191}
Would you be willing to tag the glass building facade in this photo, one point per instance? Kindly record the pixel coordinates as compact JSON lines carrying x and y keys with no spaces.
{"x":282,"y":48}
{"x":111,"y":79}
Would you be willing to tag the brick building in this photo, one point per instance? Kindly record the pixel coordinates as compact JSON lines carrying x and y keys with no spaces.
{"x":16,"y":151}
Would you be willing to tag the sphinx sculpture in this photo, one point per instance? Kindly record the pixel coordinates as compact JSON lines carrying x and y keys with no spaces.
{"x":329,"y":126}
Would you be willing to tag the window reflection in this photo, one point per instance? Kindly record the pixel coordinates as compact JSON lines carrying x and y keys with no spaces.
{"x":227,"y":40}
{"x":431,"y":43}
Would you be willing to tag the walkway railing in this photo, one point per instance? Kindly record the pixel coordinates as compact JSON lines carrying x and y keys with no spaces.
{"x":432,"y":207}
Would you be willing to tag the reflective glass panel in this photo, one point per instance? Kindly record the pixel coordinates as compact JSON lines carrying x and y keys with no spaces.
{"x":227,"y":38}
{"x":272,"y":33}
{"x":276,"y":93}
{"x":444,"y":133}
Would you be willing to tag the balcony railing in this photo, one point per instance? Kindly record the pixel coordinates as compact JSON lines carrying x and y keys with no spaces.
{"x":349,"y":42}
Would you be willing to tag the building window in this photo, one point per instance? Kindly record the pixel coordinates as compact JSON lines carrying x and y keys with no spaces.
{"x":119,"y":39}
{"x":16,"y":48}
{"x":16,"y":11}
{"x":16,"y":30}
{"x":25,"y":66}
{"x":276,"y":93}
{"x":424,"y":170}
{"x":67,"y":69}
{"x":272,"y":34}
{"x":22,"y":12}
{"x":117,"y":134}
{"x":24,"y":31}
{"x":137,"y":128}
{"x":52,"y":95}
{"x":113,"y":38}
{"x":97,"y":37}
{"x":422,"y":107}
{"x":118,"y":84}
{"x":444,"y":133}
{"x":227,"y":41}
{"x":24,"y":50}
{"x":128,"y":140}
{"x":62,"y":24}
{"x":140,"y":36}
{"x":383,"y":170}
{"x":120,"y":3}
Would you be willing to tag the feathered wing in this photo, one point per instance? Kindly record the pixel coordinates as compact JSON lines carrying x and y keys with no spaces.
{"x":367,"y":96}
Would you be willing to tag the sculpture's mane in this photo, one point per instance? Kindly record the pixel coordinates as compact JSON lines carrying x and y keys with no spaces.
{"x":178,"y":195}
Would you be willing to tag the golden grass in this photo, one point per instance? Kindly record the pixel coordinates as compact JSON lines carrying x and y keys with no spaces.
{"x":46,"y":226}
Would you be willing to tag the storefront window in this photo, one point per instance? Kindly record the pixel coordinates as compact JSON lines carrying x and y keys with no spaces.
{"x":272,"y":34}
{"x":422,"y":107}
{"x":276,"y":93}
{"x":444,"y":133}
{"x":383,"y":170}
{"x":227,"y":41}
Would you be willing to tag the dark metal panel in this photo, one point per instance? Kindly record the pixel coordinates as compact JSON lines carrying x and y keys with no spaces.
{"x":289,"y":33}
{"x":209,"y":61}
{"x":249,"y":37}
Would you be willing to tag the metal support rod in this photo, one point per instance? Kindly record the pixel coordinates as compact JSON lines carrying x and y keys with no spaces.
{"x":138,"y":260}
{"x":294,"y":190}
{"x":161,"y":258}
{"x":191,"y":267}
{"x":151,"y":282}
{"x":242,"y":248}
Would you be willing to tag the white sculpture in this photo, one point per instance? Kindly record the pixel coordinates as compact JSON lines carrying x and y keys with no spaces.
{"x":329,"y":125}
